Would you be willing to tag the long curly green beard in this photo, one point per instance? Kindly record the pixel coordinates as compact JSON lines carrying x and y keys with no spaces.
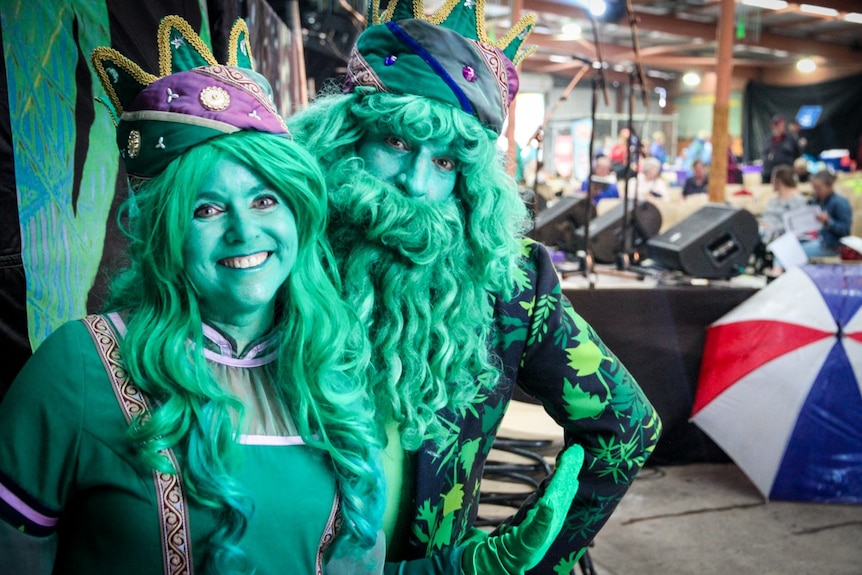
{"x":406,"y":267}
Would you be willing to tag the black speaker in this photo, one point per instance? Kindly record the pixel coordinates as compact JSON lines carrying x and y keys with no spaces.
{"x":555,"y":226}
{"x":714,"y":242}
{"x":606,"y":231}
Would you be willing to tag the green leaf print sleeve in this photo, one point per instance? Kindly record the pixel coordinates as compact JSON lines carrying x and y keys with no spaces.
{"x":588,"y":392}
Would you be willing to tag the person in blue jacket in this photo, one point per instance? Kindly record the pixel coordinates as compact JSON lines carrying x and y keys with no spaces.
{"x":836,"y":215}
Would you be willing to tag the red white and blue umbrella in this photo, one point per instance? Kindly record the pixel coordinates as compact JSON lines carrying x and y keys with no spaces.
{"x":779,"y":388}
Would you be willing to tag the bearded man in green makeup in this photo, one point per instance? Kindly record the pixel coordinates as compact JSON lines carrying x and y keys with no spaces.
{"x":460,"y":308}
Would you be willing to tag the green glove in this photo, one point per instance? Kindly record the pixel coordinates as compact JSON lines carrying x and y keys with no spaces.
{"x":516,"y":549}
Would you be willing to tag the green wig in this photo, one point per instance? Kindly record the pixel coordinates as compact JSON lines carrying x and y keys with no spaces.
{"x":425,"y":295}
{"x":321,"y":356}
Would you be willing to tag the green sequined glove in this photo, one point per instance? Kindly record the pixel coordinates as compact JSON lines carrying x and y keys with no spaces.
{"x":517,"y":549}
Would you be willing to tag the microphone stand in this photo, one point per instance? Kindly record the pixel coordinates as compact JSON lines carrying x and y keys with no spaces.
{"x":600,"y":60}
{"x":636,"y":48}
{"x":587,"y":266}
{"x":539,"y":134}
{"x":627,"y":252}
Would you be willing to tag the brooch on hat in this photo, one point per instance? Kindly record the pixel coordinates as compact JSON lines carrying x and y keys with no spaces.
{"x":193,"y":98}
{"x":447,"y":56}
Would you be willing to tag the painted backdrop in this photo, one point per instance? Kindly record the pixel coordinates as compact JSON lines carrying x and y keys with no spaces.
{"x":61,"y":182}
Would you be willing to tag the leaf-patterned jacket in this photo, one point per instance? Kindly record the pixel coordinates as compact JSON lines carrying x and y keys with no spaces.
{"x":554,"y":356}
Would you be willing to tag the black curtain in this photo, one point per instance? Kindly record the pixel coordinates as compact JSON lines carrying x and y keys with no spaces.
{"x":838,"y":127}
{"x":13,"y":286}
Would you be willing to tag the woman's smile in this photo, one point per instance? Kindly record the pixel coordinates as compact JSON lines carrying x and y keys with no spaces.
{"x":245,"y":262}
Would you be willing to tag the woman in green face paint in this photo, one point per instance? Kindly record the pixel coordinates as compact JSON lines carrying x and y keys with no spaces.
{"x":215,"y":417}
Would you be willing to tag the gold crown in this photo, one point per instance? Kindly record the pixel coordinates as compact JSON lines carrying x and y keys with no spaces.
{"x":466,"y":17}
{"x":180,"y":49}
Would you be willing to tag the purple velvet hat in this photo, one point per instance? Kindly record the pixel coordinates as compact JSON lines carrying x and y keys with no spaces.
{"x":194,"y":99}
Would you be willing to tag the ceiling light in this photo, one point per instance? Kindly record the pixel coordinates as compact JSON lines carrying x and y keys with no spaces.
{"x":559,"y":59}
{"x":597,"y":7}
{"x":691,"y":79}
{"x":854,"y":17}
{"x":571,"y":30}
{"x":806,"y":65}
{"x":819,"y":10}
{"x":767,"y":4}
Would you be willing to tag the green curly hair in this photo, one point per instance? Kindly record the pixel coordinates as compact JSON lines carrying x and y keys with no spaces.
{"x":322,"y":352}
{"x":422,"y":276}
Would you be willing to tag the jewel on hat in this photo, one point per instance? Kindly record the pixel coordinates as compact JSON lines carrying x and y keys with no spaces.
{"x":446,"y":56}
{"x":193,"y":99}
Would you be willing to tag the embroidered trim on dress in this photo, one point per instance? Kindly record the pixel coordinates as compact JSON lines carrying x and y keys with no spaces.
{"x":333,"y":524}
{"x":176,"y":543}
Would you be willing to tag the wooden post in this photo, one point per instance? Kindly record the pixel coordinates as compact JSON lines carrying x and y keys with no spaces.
{"x":298,"y":80}
{"x":721,"y":108}
{"x":512,"y":147}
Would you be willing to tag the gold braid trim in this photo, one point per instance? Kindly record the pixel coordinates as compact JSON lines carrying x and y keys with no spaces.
{"x":524,"y":23}
{"x":104,"y":53}
{"x":386,"y":15}
{"x":374,"y":14}
{"x":234,"y":44}
{"x":481,"y":28}
{"x":184,"y":28}
{"x":171,"y":500}
{"x":439,"y":17}
{"x":523,"y":54}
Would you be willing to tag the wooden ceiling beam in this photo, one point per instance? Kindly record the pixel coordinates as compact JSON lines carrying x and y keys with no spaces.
{"x":580,"y":47}
{"x":676,"y":48}
{"x":840,"y":5}
{"x":672,"y":25}
{"x":666,"y":57}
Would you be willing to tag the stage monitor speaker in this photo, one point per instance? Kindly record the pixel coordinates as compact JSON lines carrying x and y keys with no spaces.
{"x":606,"y":231}
{"x":555,"y":226}
{"x":714,"y":242}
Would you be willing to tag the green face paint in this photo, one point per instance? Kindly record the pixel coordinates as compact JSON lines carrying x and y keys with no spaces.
{"x":239,"y":250}
{"x":424,"y":170}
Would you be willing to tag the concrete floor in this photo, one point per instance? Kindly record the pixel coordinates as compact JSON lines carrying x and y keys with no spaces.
{"x":704,"y":519}
{"x":707,"y":519}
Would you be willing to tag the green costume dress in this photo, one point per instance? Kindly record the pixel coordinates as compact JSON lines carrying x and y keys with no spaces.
{"x":75,"y":497}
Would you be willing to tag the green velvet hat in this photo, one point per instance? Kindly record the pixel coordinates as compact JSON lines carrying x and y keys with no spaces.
{"x":193,"y":99}
{"x":446,"y":56}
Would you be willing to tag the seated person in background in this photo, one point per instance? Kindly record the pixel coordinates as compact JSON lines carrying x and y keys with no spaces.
{"x":836,"y":215}
{"x":619,"y":154}
{"x":657,"y":148}
{"x":698,"y":182}
{"x":786,"y":200}
{"x":649,"y":184}
{"x":700,"y":148}
{"x":800,"y":169}
{"x":604,"y":181}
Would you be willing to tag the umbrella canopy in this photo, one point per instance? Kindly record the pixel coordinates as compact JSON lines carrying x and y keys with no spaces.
{"x":779,"y":388}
